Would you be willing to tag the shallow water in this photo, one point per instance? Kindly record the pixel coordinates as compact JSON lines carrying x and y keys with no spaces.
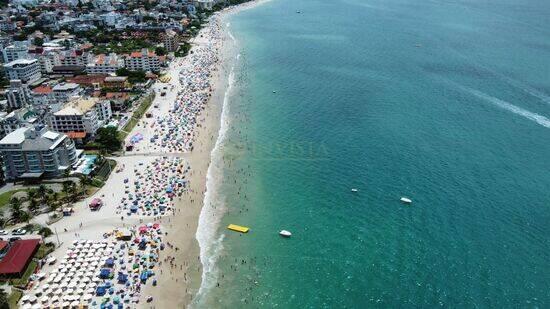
{"x":445,"y":102}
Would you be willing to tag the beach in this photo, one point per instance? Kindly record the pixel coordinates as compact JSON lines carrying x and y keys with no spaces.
{"x":161,"y":181}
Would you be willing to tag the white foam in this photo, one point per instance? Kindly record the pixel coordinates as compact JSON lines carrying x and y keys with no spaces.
{"x":213,"y":207}
{"x":542,"y":120}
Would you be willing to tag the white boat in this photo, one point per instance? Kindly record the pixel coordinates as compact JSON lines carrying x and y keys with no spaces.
{"x":406,"y":200}
{"x":354,"y":190}
{"x":285,"y":233}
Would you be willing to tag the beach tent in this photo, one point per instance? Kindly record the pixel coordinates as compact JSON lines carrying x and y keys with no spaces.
{"x":100,"y":291}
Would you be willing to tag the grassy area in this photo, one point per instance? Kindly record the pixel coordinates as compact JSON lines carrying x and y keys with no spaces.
{"x":138,"y":114}
{"x":106,"y":168}
{"x":43,"y":251}
{"x":6,"y":196}
{"x":14,"y":298}
{"x":25,"y":278}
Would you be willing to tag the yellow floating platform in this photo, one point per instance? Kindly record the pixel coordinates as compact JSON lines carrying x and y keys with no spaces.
{"x":238,"y":228}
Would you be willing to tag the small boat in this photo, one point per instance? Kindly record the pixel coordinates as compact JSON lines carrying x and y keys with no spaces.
{"x":354,"y":190}
{"x":274,"y":91}
{"x":285,"y":233}
{"x":406,"y":200}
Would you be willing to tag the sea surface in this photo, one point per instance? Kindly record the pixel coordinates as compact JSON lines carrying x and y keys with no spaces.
{"x":444,"y":102}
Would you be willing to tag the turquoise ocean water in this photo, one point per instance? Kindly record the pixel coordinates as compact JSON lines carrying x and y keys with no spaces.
{"x":445,"y":102}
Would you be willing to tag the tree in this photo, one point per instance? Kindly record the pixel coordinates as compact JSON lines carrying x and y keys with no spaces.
{"x":4,"y":300}
{"x":16,"y":211}
{"x":31,"y":194}
{"x":33,"y":205}
{"x":160,"y":51}
{"x":108,"y":139}
{"x":42,"y":193}
{"x":38,"y":41}
{"x":45,"y":232}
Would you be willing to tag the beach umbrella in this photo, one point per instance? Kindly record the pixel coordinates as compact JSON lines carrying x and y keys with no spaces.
{"x":44,"y":299}
{"x":26,"y":306}
{"x":87,"y":297}
{"x":32,"y":298}
{"x":25,"y":298}
{"x":66,"y":304}
{"x":54,"y":299}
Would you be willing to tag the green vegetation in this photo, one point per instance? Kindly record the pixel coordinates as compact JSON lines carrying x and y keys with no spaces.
{"x":44,"y":250}
{"x":25,"y":278}
{"x":138,"y":113}
{"x":112,"y":43}
{"x":108,"y":140}
{"x":13,"y":299}
{"x":133,"y":76}
{"x":104,"y":171}
{"x":6,"y":196}
{"x":161,"y":51}
{"x":183,"y":50}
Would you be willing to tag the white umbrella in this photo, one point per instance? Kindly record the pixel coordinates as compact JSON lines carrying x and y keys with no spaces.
{"x":75,"y":303}
{"x":36,"y":306}
{"x":66,"y":304}
{"x":26,"y":306}
{"x":32,"y":298}
{"x":58,"y":292}
{"x":45,"y":286}
{"x":69,"y":291}
{"x":25,"y":298}
{"x":79,"y":291}
{"x":87,"y":297}
{"x":44,"y":299}
{"x":54,"y":299}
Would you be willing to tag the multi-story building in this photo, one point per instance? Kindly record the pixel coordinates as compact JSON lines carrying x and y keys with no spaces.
{"x":44,"y":98}
{"x":171,"y":40}
{"x":143,"y":60}
{"x":35,"y":152}
{"x":17,"y":50}
{"x":105,"y":64}
{"x":81,"y":115}
{"x":25,"y":70}
{"x":65,"y":91}
{"x":8,"y":123}
{"x":74,"y":58}
{"x":18,"y":94}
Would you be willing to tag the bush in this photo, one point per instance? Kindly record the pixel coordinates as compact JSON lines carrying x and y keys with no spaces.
{"x":45,"y":232}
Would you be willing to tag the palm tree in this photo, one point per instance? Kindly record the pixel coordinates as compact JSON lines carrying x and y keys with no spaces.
{"x":42,"y":192}
{"x":31,"y":194}
{"x":33,"y":205}
{"x":16,"y":211}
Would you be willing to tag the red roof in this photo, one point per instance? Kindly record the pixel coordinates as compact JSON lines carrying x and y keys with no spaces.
{"x":42,"y":90}
{"x":18,"y":256}
{"x":74,"y":134}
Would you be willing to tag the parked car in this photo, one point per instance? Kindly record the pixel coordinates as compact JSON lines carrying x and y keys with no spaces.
{"x":3,"y":232}
{"x":19,"y":232}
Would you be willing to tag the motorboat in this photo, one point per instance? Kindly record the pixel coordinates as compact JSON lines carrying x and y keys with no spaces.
{"x":354,"y":190}
{"x":285,"y":233}
{"x":406,"y":200}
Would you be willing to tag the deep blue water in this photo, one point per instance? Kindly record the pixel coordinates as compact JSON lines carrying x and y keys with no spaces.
{"x":445,"y":102}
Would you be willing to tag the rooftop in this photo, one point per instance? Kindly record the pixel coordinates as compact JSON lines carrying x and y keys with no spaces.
{"x":20,"y":62}
{"x":29,"y":139}
{"x":65,"y":87}
{"x":77,"y":107}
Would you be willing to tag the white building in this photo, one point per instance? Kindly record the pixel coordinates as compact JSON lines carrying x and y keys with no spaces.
{"x":18,"y":94}
{"x":17,"y":50}
{"x":74,"y":58}
{"x":110,"y":19}
{"x":64,"y":91}
{"x":36,"y":152}
{"x":81,"y":115}
{"x":42,"y":96}
{"x":143,"y":60}
{"x":26,"y":70}
{"x":171,"y":40}
{"x":105,"y":64}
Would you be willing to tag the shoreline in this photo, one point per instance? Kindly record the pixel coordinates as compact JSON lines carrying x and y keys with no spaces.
{"x":177,"y":282}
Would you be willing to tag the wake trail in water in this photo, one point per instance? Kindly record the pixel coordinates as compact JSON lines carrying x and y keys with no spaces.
{"x":540,"y":119}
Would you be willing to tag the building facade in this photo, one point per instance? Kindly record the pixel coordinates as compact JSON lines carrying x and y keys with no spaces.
{"x":25,"y":70}
{"x":18,"y":94}
{"x":36,"y":152}
{"x":103,"y":64}
{"x":144,"y":60}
